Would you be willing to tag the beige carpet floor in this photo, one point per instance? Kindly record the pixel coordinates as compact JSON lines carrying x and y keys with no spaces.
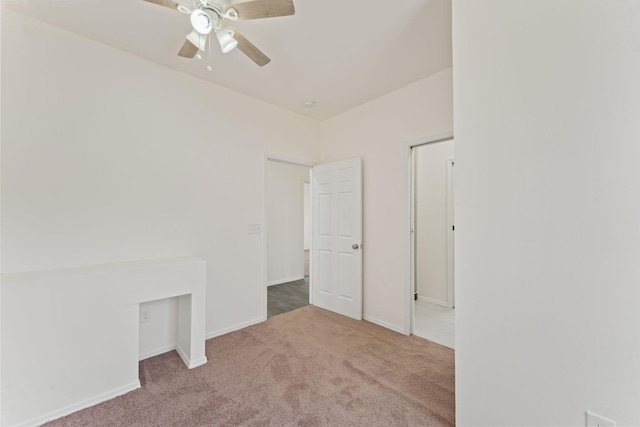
{"x":308,"y":367}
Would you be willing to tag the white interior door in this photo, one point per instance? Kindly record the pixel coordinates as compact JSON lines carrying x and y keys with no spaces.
{"x":336,"y":254}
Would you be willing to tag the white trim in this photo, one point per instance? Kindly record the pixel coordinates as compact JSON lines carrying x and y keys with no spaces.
{"x":384,"y":324}
{"x":412,"y":235}
{"x":311,"y":247}
{"x":450,"y":236}
{"x":80,"y":406}
{"x":265,"y":248}
{"x":156,"y":352}
{"x":288,"y":160}
{"x":303,"y":229}
{"x":287,"y":280}
{"x":187,"y":361}
{"x":234,"y":328}
{"x":444,"y":136}
{"x":1,"y":208}
{"x":433,"y":301}
{"x":408,"y":253}
{"x":265,"y":237}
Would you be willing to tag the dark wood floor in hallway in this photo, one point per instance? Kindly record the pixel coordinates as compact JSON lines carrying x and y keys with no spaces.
{"x":287,"y":297}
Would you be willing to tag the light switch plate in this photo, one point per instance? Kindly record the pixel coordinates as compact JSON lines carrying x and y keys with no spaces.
{"x":593,"y":420}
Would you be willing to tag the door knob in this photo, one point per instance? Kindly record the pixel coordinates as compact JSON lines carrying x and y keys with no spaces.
{"x":355,"y":246}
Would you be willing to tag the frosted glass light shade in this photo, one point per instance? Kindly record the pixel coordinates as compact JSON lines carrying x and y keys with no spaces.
{"x":227,"y":42}
{"x":201,"y":21}
{"x":197,"y":39}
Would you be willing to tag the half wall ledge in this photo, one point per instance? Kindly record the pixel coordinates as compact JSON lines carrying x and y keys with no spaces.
{"x":71,"y":336}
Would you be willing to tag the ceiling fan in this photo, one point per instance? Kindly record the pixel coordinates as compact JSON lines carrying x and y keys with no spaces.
{"x":207,"y":17}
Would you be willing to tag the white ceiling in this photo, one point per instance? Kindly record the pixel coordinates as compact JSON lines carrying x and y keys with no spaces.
{"x":339,"y":53}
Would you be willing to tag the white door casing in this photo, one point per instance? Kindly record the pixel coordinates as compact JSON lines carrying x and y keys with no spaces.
{"x":450,"y":236}
{"x":337,"y":237}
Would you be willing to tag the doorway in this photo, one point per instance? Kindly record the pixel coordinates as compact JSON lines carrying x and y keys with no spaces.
{"x":432,"y":240}
{"x":288,"y":235}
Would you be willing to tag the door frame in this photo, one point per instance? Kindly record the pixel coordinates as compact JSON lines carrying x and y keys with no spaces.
{"x":450,"y":236}
{"x":305,"y":182}
{"x":408,"y":223}
{"x":265,"y":237}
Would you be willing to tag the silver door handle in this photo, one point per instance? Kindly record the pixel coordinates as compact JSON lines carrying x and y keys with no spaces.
{"x":355,"y":246}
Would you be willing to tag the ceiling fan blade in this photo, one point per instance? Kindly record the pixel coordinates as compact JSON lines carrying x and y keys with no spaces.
{"x":171,"y":4}
{"x":251,"y":51}
{"x":263,"y":9}
{"x":188,"y":50}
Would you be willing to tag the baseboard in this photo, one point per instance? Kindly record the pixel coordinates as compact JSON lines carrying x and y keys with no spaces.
{"x":281,"y":281}
{"x":156,"y":352}
{"x":433,"y":301}
{"x":80,"y":406}
{"x":190,"y":363}
{"x":225,"y":331}
{"x":384,"y":324}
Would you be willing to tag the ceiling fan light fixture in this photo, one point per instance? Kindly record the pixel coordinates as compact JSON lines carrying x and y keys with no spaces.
{"x":231,"y":13}
{"x":197,"y":40}
{"x":201,"y":21}
{"x":226,"y":40}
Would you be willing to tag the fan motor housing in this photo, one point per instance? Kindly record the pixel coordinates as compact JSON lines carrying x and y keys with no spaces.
{"x":214,"y":12}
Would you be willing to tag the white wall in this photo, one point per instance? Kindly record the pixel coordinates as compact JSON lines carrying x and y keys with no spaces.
{"x":285,"y":217}
{"x":547,"y":211}
{"x":378,"y":132}
{"x":160,"y":333}
{"x":1,"y":102}
{"x":431,"y":231}
{"x":71,"y":335}
{"x":107,"y":157}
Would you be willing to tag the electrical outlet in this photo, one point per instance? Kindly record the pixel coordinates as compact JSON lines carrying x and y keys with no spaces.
{"x":255,"y":229}
{"x":145,"y":314}
{"x":593,"y":420}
